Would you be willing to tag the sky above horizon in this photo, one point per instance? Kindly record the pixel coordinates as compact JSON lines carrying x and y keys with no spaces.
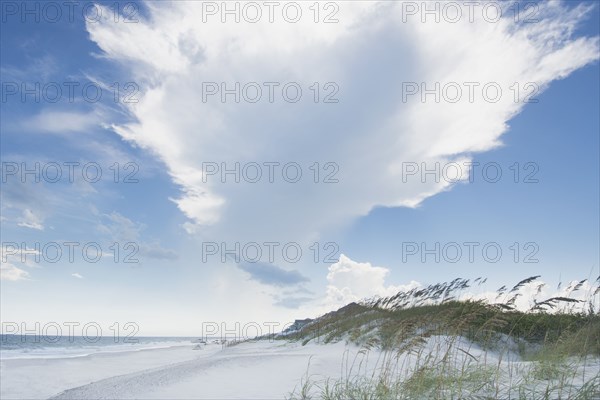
{"x":167,"y":165}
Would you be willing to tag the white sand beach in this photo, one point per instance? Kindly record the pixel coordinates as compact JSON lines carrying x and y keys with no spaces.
{"x":250,"y":370}
{"x":266,"y":370}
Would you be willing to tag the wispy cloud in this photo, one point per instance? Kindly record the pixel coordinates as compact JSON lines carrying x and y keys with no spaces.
{"x":38,"y":68}
{"x":30,"y":220}
{"x":270,"y":274}
{"x":12,"y":254}
{"x":292,"y":301}
{"x":122,"y":229}
{"x":63,"y":122}
{"x":9,"y":272}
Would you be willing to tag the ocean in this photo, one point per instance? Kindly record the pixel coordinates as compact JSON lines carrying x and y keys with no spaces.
{"x":36,"y":346}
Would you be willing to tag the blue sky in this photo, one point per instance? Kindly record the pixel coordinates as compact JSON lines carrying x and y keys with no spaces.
{"x":170,"y":212}
{"x":559,"y":213}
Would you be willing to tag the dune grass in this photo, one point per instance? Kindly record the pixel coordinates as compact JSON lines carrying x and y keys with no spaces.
{"x":427,"y":344}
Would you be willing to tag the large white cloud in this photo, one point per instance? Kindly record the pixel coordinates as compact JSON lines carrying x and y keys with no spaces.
{"x":368,"y":134}
{"x":349,"y":281}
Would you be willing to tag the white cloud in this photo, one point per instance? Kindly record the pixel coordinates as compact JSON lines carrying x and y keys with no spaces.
{"x":349,"y":281}
{"x":9,"y":272}
{"x":31,"y":220}
{"x":77,"y":275}
{"x":369,"y":133}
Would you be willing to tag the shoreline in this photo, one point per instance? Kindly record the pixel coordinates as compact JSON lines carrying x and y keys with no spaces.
{"x":67,"y":356}
{"x":42,"y":378}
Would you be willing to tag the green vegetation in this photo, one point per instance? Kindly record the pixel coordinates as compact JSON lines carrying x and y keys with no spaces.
{"x":431,"y":345}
